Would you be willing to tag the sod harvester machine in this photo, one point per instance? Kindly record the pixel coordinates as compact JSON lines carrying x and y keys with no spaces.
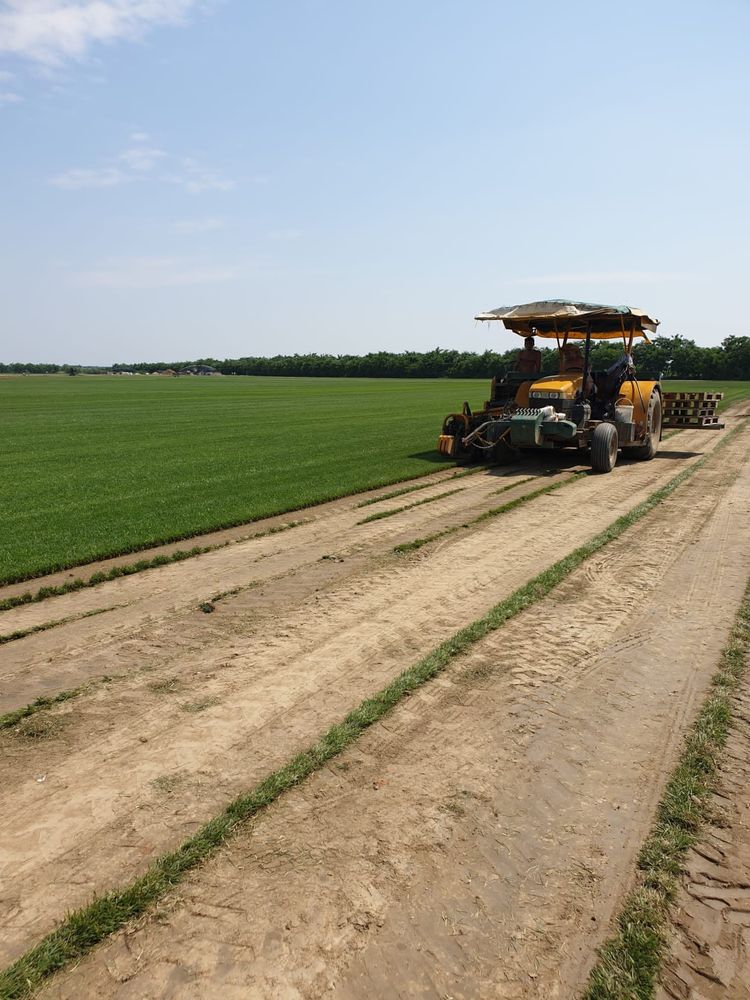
{"x":602,"y":411}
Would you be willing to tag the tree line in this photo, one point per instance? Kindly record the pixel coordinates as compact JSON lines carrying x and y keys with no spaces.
{"x":674,"y":357}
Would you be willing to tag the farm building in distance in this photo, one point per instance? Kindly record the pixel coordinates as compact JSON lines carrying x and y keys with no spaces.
{"x":199,"y":370}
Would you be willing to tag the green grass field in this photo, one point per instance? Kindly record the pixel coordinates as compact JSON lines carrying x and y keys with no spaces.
{"x":96,"y":466}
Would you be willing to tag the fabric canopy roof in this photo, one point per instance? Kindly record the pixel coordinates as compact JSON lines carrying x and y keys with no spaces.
{"x":561,"y":317}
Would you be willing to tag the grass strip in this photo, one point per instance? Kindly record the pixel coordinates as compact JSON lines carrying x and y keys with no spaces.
{"x":510,"y":486}
{"x":629,"y":962}
{"x":417,"y":543}
{"x":22,"y":633}
{"x":395,"y":493}
{"x":81,"y":930}
{"x":422,"y":486}
{"x":409,"y":506}
{"x":105,"y":576}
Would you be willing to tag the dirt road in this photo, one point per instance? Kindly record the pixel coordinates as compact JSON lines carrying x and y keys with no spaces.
{"x":495,"y":813}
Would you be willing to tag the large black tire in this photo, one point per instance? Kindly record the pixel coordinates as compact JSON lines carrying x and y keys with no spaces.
{"x":646,"y":452}
{"x":604,"y":445}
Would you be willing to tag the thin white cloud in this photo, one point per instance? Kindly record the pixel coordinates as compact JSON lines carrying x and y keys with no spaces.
{"x":9,"y":97}
{"x":136,"y":163}
{"x":196,"y":178}
{"x":51,"y":32}
{"x":601,"y":278}
{"x":77,"y":178}
{"x":190,"y":227}
{"x":142,"y":158}
{"x":153,"y":272}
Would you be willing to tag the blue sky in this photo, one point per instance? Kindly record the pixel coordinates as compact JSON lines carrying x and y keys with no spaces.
{"x":225,"y":178}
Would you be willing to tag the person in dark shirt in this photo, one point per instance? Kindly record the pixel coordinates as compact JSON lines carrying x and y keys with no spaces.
{"x":529,"y":359}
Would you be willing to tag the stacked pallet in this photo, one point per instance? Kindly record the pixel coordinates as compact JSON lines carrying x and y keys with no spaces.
{"x":692,"y":409}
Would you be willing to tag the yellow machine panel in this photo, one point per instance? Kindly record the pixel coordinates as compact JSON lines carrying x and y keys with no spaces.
{"x":639,"y":394}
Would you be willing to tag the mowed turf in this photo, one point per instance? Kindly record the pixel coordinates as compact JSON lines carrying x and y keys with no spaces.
{"x":94,"y":466}
{"x":100,"y":465}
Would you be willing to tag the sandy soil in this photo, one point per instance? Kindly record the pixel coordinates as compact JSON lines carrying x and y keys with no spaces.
{"x":710,"y":954}
{"x":471,"y":824}
{"x":202,"y":706}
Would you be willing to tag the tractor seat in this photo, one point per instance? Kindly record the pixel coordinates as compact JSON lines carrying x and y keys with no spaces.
{"x":608,"y":382}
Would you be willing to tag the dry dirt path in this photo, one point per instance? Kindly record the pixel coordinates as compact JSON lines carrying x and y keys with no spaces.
{"x":710,"y":953}
{"x":205,"y":705}
{"x":477,"y":843}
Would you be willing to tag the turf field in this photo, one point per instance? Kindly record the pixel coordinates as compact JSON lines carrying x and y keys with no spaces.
{"x":97,"y":465}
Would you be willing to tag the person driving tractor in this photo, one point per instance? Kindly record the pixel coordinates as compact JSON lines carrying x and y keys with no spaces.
{"x":529,"y":359}
{"x":571,"y":359}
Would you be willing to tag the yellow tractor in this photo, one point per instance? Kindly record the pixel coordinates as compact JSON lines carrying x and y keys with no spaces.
{"x":598,"y":411}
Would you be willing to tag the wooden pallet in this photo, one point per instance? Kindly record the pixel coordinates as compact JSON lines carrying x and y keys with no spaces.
{"x":714,"y":396}
{"x":692,"y":409}
{"x":692,"y":422}
{"x":684,"y":411}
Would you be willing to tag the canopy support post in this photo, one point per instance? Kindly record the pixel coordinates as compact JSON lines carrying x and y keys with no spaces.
{"x":585,"y":376}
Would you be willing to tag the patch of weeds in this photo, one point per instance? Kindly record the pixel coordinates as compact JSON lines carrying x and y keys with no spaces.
{"x":222,"y":594}
{"x":168,"y":685}
{"x":453,"y":807}
{"x":479,"y":672}
{"x":36,"y":728}
{"x":167,"y":783}
{"x":207,"y":607}
{"x":199,"y":706}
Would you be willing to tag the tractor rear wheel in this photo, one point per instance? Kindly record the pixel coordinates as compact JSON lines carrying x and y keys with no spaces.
{"x":604,"y":444}
{"x":647,"y":451}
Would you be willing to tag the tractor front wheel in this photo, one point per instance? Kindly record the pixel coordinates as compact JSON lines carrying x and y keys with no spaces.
{"x":604,"y":445}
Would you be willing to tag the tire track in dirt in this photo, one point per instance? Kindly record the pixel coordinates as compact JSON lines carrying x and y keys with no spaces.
{"x":497,"y":812}
{"x":137,"y":765}
{"x":709,"y":957}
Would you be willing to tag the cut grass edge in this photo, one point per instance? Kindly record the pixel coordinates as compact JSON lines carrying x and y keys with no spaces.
{"x":22,"y":633}
{"x":80,"y":931}
{"x":422,"y":486}
{"x":115,"y":572}
{"x":629,"y":962}
{"x":409,"y":506}
{"x":170,"y":539}
{"x":418,"y":543}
